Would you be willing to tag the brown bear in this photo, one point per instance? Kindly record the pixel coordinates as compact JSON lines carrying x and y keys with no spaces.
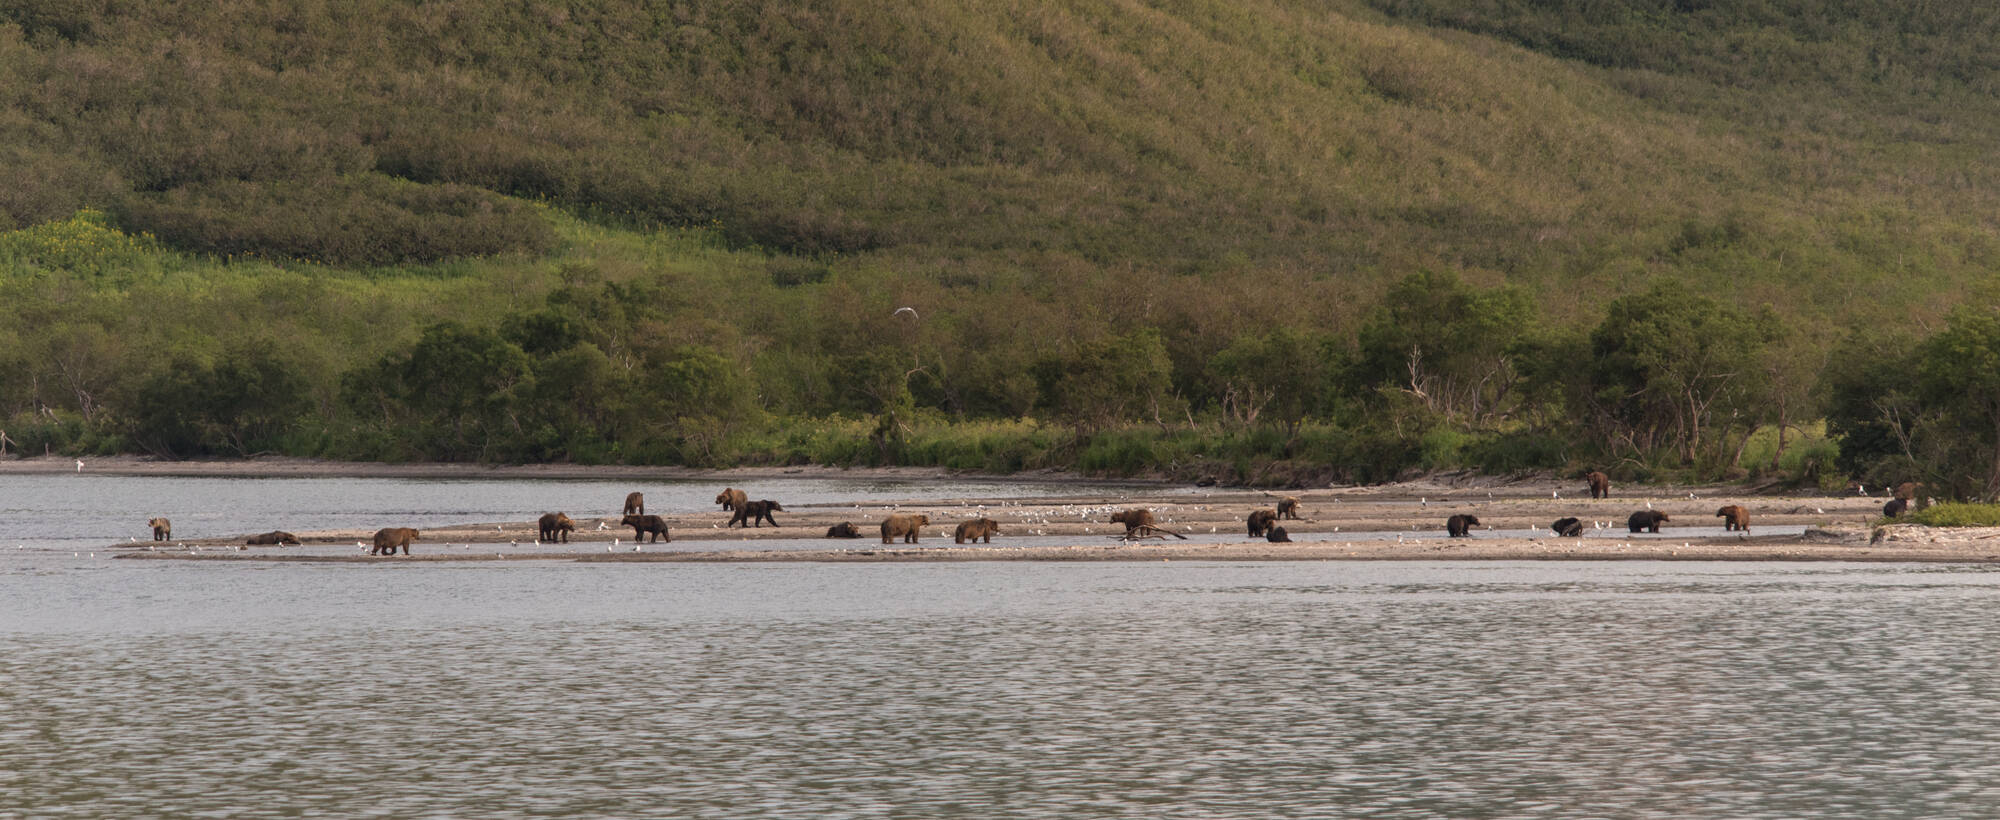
{"x":642,"y":524}
{"x":755,"y":513}
{"x":1645,"y":521}
{"x":1896,"y":508}
{"x":1261,"y":522}
{"x":1460,"y":526}
{"x":388,"y":539}
{"x":1288,"y":508}
{"x":731,"y":499}
{"x":1600,"y":484}
{"x":976,"y":529}
{"x":278,"y":537}
{"x":844,"y":529}
{"x":1133,"y":519}
{"x":555,"y":527}
{"x":1907,"y":490}
{"x":903,"y":526}
{"x":1734,"y":518}
{"x":1278,"y":535}
{"x":635,"y":504}
{"x":1568,"y":528}
{"x":162,"y":528}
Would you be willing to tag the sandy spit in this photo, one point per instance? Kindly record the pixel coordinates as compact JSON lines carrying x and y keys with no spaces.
{"x":1400,"y":522}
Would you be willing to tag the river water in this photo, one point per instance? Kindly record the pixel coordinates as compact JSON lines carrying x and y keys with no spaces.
{"x":1140,"y":690}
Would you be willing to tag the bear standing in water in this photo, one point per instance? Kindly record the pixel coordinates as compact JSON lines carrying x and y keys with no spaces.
{"x":1645,"y":521}
{"x":1460,"y":526}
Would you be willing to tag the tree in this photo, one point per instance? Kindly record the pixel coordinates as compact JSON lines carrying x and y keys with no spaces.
{"x":1098,"y":383}
{"x":1670,"y":366}
{"x":1870,"y":393}
{"x":1279,"y":371}
{"x":241,"y":405}
{"x":1444,"y":344}
{"x":1959,"y":378}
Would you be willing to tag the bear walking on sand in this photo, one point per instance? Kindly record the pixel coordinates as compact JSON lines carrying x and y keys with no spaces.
{"x":1568,"y":528}
{"x":905,"y":527}
{"x":1645,"y":521}
{"x":1600,"y":484}
{"x":1734,"y":518}
{"x":1288,"y":508}
{"x":644,"y":524}
{"x":635,"y":504}
{"x":976,"y":529}
{"x":555,"y":527}
{"x":1460,"y":526}
{"x":755,"y":513}
{"x":163,"y":529}
{"x":388,"y":539}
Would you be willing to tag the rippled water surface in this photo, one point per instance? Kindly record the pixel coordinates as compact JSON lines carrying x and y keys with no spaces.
{"x":1421,"y":690}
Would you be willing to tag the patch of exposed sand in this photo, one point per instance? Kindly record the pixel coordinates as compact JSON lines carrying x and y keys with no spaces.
{"x":1342,"y":523}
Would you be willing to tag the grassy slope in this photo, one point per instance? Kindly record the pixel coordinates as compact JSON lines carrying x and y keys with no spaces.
{"x":1032,"y":171}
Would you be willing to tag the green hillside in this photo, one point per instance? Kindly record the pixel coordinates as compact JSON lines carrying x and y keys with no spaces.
{"x":719,"y":204}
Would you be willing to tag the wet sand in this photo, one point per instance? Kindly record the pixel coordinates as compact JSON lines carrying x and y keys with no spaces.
{"x":1392,"y":522}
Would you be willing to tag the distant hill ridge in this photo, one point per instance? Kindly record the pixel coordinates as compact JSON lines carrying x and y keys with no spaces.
{"x":1833,"y":157}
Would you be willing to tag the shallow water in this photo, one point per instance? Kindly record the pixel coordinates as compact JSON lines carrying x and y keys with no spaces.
{"x":1140,"y":690}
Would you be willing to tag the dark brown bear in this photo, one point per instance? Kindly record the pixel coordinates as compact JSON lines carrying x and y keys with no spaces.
{"x":905,"y":527}
{"x":755,"y":513}
{"x":1460,"y":526}
{"x":843,"y":529}
{"x":388,"y":539}
{"x":1896,"y":508}
{"x":643,"y":524}
{"x":1734,"y":518}
{"x":1288,"y":508}
{"x":162,"y":528}
{"x":635,"y":504}
{"x":1907,"y":490}
{"x":976,"y":529}
{"x":731,"y":499}
{"x":1278,"y":535}
{"x":277,"y":537}
{"x":1645,"y":521}
{"x":1600,"y":484}
{"x":1133,"y":519}
{"x":555,"y":527}
{"x":1261,"y":522}
{"x":1568,"y":528}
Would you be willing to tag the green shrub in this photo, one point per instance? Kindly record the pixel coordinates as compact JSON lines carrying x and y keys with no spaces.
{"x":1950,"y":514}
